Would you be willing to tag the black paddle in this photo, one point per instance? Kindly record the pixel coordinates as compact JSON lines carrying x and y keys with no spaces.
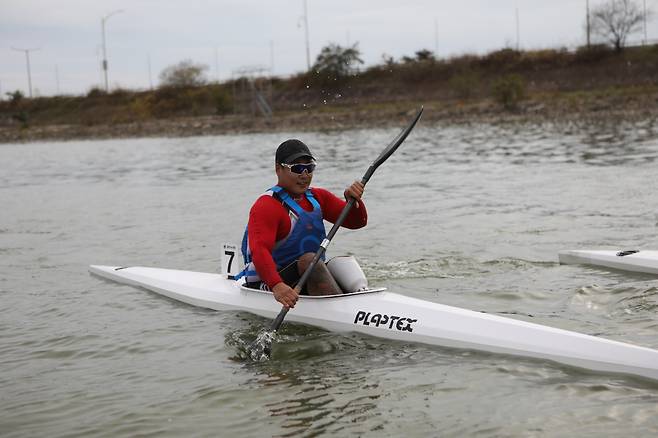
{"x":262,"y":341}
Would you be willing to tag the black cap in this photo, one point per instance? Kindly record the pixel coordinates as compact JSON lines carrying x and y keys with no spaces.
{"x":290,"y":150}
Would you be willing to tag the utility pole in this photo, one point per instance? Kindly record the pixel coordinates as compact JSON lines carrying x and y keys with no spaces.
{"x":148,"y":59}
{"x":588,"y":24}
{"x":271,"y":57}
{"x":103,"y":20}
{"x":645,"y":21}
{"x":308,"y":50}
{"x":216,"y":52}
{"x":436,"y":38}
{"x":27,"y":60}
{"x":518,"y":43}
{"x":57,"y":78}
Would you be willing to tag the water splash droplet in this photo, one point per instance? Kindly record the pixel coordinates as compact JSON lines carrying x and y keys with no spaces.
{"x":261,"y":348}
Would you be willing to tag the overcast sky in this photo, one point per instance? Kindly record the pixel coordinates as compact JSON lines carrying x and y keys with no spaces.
{"x":227,"y":35}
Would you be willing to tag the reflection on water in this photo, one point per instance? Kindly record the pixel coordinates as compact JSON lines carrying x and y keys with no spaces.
{"x":309,"y":402}
{"x":469,"y":216}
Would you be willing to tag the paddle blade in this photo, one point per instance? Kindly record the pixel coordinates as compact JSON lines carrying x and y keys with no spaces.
{"x":397,"y":141}
{"x":261,"y":349}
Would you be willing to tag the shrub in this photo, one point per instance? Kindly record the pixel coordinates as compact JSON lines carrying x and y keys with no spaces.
{"x":142,"y":107}
{"x":509,"y":90}
{"x":95,"y":92}
{"x":184,"y":74}
{"x":593,"y":53}
{"x":465,"y":84}
{"x":15,"y":97}
{"x":22,"y":118}
{"x":545,"y":59}
{"x":503,"y":59}
{"x":223,"y":101}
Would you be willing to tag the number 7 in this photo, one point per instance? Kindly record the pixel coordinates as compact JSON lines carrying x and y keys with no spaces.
{"x":230,"y":260}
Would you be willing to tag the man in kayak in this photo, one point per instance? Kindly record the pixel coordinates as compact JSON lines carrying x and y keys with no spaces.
{"x":286,"y":227}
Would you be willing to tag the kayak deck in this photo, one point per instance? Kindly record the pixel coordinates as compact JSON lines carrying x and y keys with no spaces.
{"x":199,"y":288}
{"x":393,"y":316}
{"x":644,"y":261}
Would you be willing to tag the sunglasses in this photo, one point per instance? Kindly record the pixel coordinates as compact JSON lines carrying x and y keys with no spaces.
{"x":299,"y":168}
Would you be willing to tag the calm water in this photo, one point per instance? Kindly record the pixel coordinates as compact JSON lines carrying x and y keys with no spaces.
{"x":466,"y":216}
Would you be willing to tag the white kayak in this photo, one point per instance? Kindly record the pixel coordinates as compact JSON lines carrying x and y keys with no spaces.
{"x":389,"y":315}
{"x":636,"y":261}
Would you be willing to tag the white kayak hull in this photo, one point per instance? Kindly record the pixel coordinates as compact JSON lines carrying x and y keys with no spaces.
{"x":393,"y":316}
{"x":641,"y":261}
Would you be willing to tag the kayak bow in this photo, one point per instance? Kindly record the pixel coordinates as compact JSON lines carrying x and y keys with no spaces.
{"x":633,"y":260}
{"x":389,"y":315}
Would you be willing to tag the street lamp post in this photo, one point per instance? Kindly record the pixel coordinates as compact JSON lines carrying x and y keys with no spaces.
{"x":27,"y":60}
{"x":588,"y":25}
{"x":518,"y":38}
{"x":308,"y":51}
{"x":644,"y":16}
{"x":104,"y":65}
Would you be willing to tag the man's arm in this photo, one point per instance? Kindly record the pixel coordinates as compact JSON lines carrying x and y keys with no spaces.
{"x":332,"y":205}
{"x":267,"y":221}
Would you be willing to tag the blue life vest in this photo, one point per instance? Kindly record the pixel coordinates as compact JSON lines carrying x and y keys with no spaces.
{"x":306,"y":233}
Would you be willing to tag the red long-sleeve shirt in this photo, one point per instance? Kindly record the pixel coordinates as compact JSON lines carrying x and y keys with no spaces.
{"x":269,"y":222}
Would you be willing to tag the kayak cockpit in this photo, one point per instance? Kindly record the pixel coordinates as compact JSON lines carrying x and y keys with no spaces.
{"x":348,"y":275}
{"x":250,"y":290}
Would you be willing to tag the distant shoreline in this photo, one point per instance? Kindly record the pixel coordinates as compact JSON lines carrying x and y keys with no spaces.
{"x":560,"y":108}
{"x":591,"y":85}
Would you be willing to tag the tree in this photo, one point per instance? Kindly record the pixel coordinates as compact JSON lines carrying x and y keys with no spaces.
{"x":421,"y":56}
{"x":184,"y":74}
{"x":424,"y":55}
{"x":614,"y":20}
{"x":15,"y":97}
{"x":336,"y":62}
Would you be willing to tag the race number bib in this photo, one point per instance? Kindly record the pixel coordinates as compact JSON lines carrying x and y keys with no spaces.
{"x":230,"y":264}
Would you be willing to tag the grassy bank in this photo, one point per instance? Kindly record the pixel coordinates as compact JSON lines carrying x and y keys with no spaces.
{"x":506,"y":85}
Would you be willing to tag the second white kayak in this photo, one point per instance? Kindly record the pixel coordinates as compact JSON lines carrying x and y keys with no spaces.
{"x":635,"y":261}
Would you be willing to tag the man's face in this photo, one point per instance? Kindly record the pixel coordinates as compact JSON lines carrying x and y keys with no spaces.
{"x":294,"y":183}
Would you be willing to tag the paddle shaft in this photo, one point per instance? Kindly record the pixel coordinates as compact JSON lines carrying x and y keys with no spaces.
{"x":383,"y":156}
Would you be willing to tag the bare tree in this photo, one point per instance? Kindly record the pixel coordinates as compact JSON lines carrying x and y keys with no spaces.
{"x":614,"y":20}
